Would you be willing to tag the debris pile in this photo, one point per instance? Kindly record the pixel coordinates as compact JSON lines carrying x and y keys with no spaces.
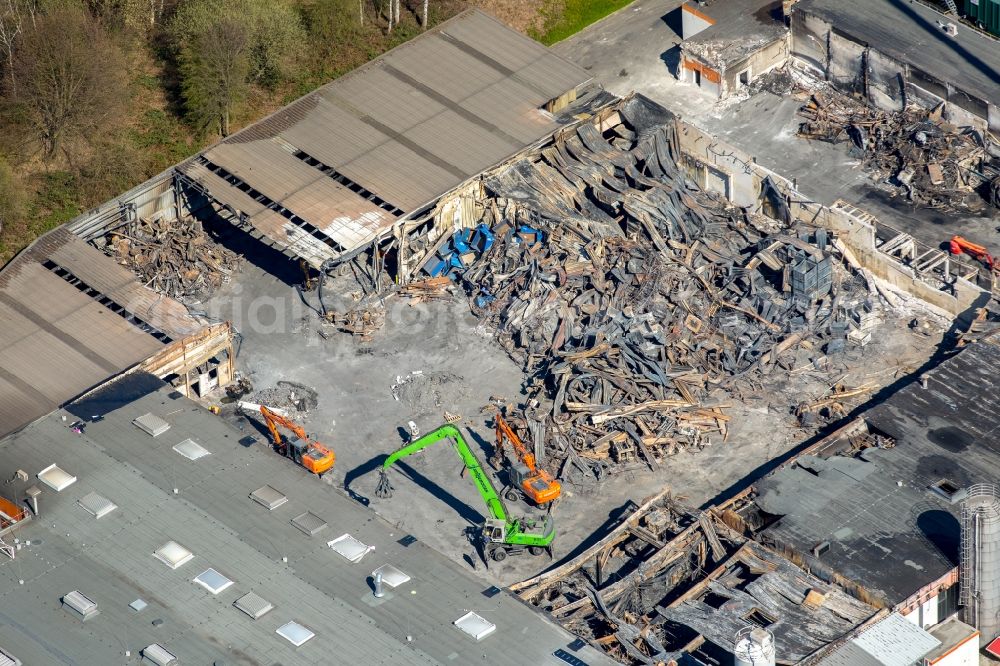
{"x":935,"y":163}
{"x":176,"y":258}
{"x":287,"y":396}
{"x":639,"y":304}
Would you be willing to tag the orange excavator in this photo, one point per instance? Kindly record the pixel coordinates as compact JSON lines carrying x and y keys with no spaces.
{"x":307,"y":452}
{"x":959,"y":245}
{"x":526,"y":478}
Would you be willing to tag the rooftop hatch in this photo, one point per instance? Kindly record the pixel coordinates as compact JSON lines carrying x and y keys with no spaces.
{"x":295,"y":633}
{"x":191,"y":449}
{"x":151,"y":424}
{"x":213,"y":581}
{"x":55,"y":478}
{"x":97,"y":505}
{"x":352,"y":549}
{"x":268,"y":497}
{"x":475,"y":625}
{"x":254,"y":605}
{"x":173,"y":554}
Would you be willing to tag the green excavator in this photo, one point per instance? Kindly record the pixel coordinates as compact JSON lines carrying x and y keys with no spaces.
{"x":501,"y":534}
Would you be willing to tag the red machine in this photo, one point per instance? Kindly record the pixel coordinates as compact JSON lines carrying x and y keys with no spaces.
{"x":526,"y":477}
{"x":959,"y":245}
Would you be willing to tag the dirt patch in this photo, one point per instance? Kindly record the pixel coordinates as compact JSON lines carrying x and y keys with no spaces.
{"x":526,"y":16}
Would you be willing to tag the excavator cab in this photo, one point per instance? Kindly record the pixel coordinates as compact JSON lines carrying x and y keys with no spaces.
{"x":525,"y":478}
{"x":494,"y":531}
{"x":310,"y":454}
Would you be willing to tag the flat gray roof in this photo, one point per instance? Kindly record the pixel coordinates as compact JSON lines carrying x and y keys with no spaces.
{"x":388,"y":138}
{"x":908,"y":31}
{"x":110,"y":560}
{"x":886,"y":528}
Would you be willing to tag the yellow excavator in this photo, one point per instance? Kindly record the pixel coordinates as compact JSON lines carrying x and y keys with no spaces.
{"x":307,"y":452}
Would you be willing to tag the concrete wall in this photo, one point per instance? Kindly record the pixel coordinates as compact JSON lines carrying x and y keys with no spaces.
{"x":770,"y":57}
{"x":705,"y":157}
{"x":888,"y":83}
{"x":693,"y":21}
{"x":965,"y":654}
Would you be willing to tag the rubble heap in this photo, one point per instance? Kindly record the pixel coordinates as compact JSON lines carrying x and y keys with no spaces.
{"x":932,"y":161}
{"x":639,"y":304}
{"x":176,"y":258}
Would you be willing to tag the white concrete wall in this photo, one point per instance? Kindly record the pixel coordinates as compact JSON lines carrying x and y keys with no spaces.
{"x":692,"y":23}
{"x":966,"y":654}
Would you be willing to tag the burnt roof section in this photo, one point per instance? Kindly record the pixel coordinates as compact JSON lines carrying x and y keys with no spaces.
{"x":756,"y":584}
{"x":335,"y":169}
{"x":72,"y":317}
{"x":886,"y":528}
{"x":741,"y":27}
{"x":908,"y":31}
{"x":212,"y":515}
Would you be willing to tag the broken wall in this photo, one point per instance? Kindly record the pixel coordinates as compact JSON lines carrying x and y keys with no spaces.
{"x":846,"y":63}
{"x":770,"y":57}
{"x":809,"y":41}
{"x":886,"y":82}
{"x":744,"y":178}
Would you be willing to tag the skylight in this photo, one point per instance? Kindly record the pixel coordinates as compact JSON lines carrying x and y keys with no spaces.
{"x":268,"y":497}
{"x":254,"y":605}
{"x":151,"y":424}
{"x":173,"y":554}
{"x":295,"y":633}
{"x":191,"y":449}
{"x":213,"y":581}
{"x":352,"y":549}
{"x":55,"y":478}
{"x":83,"y":605}
{"x":97,"y":505}
{"x":159,"y":655}
{"x":309,"y":522}
{"x":475,"y":625}
{"x":391,"y":576}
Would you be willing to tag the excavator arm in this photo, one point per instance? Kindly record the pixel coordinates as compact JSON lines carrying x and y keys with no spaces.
{"x":312,"y":455}
{"x":539,"y":485}
{"x":491,"y":498}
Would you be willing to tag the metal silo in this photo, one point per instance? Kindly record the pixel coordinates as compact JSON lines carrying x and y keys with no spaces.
{"x":979,"y":575}
{"x":754,"y":647}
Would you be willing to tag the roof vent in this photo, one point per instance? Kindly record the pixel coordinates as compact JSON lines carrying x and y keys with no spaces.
{"x":949,"y":490}
{"x":391,"y":576}
{"x":352,"y":549}
{"x":82,"y":605}
{"x":213,"y":581}
{"x":173,"y":554}
{"x":475,"y":625}
{"x":191,"y":449}
{"x":295,"y":633}
{"x":268,"y":497}
{"x":254,"y":605}
{"x":309,"y":523}
{"x":151,"y":424}
{"x":55,"y":478}
{"x":96,"y":505}
{"x":159,"y":655}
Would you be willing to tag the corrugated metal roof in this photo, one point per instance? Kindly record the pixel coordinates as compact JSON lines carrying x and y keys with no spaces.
{"x":894,"y":641}
{"x":56,"y":340}
{"x":403,"y":130}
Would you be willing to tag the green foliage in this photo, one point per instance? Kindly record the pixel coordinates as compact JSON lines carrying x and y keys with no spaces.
{"x":574,"y":17}
{"x":225,"y":46}
{"x":67,"y":95}
{"x":271,"y":29}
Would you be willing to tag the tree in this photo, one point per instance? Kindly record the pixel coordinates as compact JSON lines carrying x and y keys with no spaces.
{"x":423,"y":16}
{"x":68,"y":96}
{"x":224,"y":47}
{"x":215,"y":73}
